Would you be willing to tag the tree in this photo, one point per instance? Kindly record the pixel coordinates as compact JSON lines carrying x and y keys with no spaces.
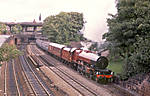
{"x":17,"y":29}
{"x":140,"y":59}
{"x":131,"y":21}
{"x":3,"y":28}
{"x":8,"y":52}
{"x":64,"y":27}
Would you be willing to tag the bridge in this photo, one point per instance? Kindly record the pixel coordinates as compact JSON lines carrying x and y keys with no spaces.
{"x":28,"y":33}
{"x":26,"y":26}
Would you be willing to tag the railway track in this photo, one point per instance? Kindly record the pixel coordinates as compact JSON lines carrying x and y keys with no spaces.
{"x":19,"y":78}
{"x":34,"y":50}
{"x":111,"y":88}
{"x":37,"y":85}
{"x":15,"y":77}
{"x":82,"y":89}
{"x":11,"y":86}
{"x":5,"y":80}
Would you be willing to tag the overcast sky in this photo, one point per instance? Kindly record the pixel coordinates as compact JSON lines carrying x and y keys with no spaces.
{"x":95,"y":12}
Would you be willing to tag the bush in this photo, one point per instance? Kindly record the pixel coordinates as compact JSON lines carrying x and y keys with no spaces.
{"x":139,"y":62}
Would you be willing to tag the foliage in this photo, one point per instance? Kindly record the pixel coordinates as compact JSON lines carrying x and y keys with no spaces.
{"x":17,"y":29}
{"x":2,"y":28}
{"x":131,"y":21}
{"x":8,"y":52}
{"x":64,"y":27}
{"x":139,"y":62}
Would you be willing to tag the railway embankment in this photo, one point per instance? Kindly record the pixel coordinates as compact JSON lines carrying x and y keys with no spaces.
{"x":139,"y":84}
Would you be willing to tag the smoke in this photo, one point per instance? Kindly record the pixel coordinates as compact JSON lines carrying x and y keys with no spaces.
{"x":97,"y":20}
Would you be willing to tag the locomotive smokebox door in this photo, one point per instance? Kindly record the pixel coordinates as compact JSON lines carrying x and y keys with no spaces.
{"x":102,"y":62}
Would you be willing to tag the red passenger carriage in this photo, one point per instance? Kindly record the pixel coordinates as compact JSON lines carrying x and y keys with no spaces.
{"x":55,"y":49}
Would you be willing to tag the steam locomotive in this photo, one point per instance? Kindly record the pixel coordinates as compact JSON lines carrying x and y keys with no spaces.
{"x":84,"y":61}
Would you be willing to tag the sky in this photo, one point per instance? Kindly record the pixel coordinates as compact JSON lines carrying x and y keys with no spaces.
{"x":95,"y":12}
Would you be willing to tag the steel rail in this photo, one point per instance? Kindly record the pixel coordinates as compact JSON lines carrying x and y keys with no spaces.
{"x":59,"y":71}
{"x":27,"y":78}
{"x":45,"y":62}
{"x":45,"y":89}
{"x":114,"y":86}
{"x":5,"y":80}
{"x":19,"y":94}
{"x":39,"y":82}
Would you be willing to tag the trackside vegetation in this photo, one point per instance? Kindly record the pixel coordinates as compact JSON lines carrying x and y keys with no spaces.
{"x":8,"y":52}
{"x":3,"y":28}
{"x":129,"y":36}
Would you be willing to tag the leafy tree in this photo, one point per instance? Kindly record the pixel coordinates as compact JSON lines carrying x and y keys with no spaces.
{"x":3,"y":28}
{"x":140,"y":59}
{"x":8,"y":52}
{"x":17,"y":29}
{"x":131,"y":21}
{"x":64,"y":27}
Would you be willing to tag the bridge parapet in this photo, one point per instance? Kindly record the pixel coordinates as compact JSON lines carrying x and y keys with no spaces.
{"x":26,"y":26}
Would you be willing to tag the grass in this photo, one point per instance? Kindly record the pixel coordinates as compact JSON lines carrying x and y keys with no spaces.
{"x":116,"y":66}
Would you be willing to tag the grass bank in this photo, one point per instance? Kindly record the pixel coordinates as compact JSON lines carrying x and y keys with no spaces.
{"x":116,"y":66}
